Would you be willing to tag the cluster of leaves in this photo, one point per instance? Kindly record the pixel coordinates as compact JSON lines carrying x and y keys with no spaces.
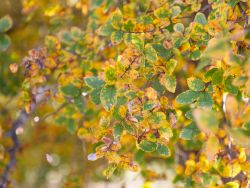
{"x":153,"y":79}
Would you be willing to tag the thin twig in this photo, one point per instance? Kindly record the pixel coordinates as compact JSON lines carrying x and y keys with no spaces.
{"x":243,"y":14}
{"x":54,"y":112}
{"x":128,"y":68}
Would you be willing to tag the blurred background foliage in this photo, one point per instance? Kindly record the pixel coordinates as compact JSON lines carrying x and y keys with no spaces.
{"x":50,"y":156}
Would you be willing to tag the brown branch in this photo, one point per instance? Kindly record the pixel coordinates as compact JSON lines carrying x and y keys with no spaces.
{"x":243,"y":14}
{"x":22,"y":119}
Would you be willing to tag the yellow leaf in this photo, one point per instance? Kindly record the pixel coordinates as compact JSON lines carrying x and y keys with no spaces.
{"x":113,"y":157}
{"x":151,"y":93}
{"x":212,"y":147}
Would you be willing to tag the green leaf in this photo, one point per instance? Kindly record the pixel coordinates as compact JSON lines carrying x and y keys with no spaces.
{"x":52,"y":43}
{"x":79,"y":102}
{"x":170,"y":83}
{"x":161,"y":51}
{"x":195,"y":84}
{"x":217,"y":77}
{"x":129,"y":25}
{"x":70,"y":90}
{"x":205,"y":100}
{"x":95,"y":96}
{"x":117,"y":20}
{"x":189,"y":114}
{"x":200,"y":18}
{"x":187,"y":97}
{"x":149,"y":105}
{"x":118,"y":129}
{"x":76,"y":33}
{"x":106,"y":29}
{"x":189,"y":132}
{"x":163,"y":150}
{"x":5,"y":23}
{"x":170,"y":66}
{"x":93,"y":82}
{"x":116,"y":37}
{"x":150,"y":53}
{"x":175,"y":11}
{"x":71,"y":127}
{"x":108,"y":96}
{"x":195,"y":54}
{"x":203,"y":63}
{"x":210,"y":73}
{"x":137,"y":42}
{"x":157,"y":117}
{"x":129,"y":129}
{"x":147,"y":146}
{"x":179,"y":27}
{"x":4,"y":42}
{"x":232,"y":3}
{"x":229,"y":86}
{"x":65,"y":37}
{"x":162,"y":12}
{"x":110,"y":74}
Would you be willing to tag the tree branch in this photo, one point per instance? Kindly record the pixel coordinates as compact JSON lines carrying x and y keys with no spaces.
{"x":21,"y":120}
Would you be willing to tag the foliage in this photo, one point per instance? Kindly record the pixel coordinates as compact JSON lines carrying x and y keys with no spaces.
{"x":150,"y":80}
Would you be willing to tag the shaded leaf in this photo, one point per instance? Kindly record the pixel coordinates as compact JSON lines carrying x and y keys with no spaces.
{"x":147,"y":146}
{"x":200,"y":18}
{"x":205,"y":100}
{"x":195,"y":84}
{"x":116,"y":37}
{"x":187,"y":97}
{"x":93,"y":82}
{"x":5,"y":23}
{"x":70,"y":90}
{"x":150,"y":53}
{"x":4,"y":42}
{"x":189,"y":132}
{"x":108,"y":96}
{"x":163,"y":150}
